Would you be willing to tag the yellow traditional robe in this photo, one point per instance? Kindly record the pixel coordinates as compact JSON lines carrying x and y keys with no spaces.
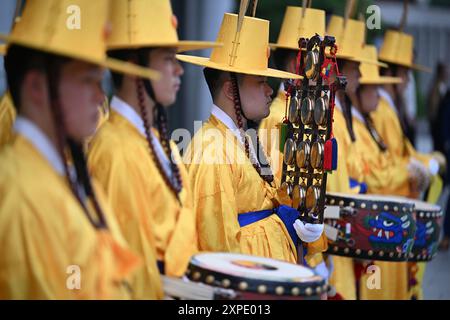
{"x":152,"y":220}
{"x":7,"y":117}
{"x":388,"y":177}
{"x":225,"y":184}
{"x":44,"y":234}
{"x":343,"y":275}
{"x":388,"y":126}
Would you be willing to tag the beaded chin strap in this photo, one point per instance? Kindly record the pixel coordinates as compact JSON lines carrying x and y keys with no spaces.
{"x":239,"y":114}
{"x":174,"y":181}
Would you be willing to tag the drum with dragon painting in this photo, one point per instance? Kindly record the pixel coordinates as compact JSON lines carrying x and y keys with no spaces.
{"x":370,"y":227}
{"x":429,"y":222}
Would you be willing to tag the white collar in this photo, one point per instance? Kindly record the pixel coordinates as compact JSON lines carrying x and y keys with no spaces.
{"x":386,"y":96}
{"x":40,"y":141}
{"x":126,"y":111}
{"x":223,"y":117}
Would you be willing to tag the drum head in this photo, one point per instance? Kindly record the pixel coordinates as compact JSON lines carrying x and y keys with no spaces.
{"x":255,"y":274}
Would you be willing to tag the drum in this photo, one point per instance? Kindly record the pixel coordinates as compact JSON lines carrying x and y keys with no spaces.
{"x":370,"y":227}
{"x":429,"y":222}
{"x":256,"y":278}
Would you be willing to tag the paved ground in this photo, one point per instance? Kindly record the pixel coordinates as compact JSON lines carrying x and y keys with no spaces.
{"x":437,"y":278}
{"x":437,"y":273}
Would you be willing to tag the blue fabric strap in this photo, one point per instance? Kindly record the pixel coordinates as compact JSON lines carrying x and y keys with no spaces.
{"x":362,"y":186}
{"x":287,"y":214}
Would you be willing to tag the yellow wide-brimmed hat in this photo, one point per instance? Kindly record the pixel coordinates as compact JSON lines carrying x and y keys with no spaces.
{"x":370,"y":73}
{"x":350,"y":38}
{"x":398,"y":48}
{"x":72,"y":28}
{"x":246,"y":51}
{"x":299,"y":23}
{"x":148,"y":23}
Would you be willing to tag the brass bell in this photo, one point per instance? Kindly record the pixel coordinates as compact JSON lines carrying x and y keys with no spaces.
{"x":317,"y":154}
{"x":303,"y":153}
{"x":320,"y":111}
{"x":293,"y":115}
{"x":289,"y":152}
{"x":307,"y":111}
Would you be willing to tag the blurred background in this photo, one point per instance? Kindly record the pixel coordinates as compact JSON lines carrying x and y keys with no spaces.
{"x":428,"y":21}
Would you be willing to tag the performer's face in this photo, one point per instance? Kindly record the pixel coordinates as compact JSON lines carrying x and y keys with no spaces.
{"x":255,"y":96}
{"x":81,"y":95}
{"x":164,"y":60}
{"x":351,"y":71}
{"x":402,"y":73}
{"x":369,"y":98}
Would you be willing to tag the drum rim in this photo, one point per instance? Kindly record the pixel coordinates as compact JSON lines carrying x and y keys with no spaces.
{"x":266,"y":287}
{"x":343,"y":200}
{"x":373,"y":255}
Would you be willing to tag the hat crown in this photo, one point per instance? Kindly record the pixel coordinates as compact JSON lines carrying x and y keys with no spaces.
{"x":64,"y":26}
{"x":398,"y":47}
{"x":296,"y":25}
{"x":350,"y":36}
{"x":369,"y":71}
{"x":142,"y":23}
{"x":248,"y":49}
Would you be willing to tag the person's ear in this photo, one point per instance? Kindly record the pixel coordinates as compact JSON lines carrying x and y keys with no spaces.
{"x":227,"y":90}
{"x":35,"y":87}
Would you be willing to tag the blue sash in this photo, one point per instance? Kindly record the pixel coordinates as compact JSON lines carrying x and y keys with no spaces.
{"x":362,"y":186}
{"x":287,"y":214}
{"x":161,"y":266}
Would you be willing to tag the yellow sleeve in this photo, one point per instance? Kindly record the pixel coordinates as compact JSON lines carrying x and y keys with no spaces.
{"x":7,"y":118}
{"x":124,"y":189}
{"x":215,"y":207}
{"x":43,"y":254}
{"x":316,"y":247}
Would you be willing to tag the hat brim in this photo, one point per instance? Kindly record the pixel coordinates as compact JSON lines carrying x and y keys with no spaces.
{"x":205,"y":62}
{"x":274,"y":46}
{"x":113,"y":64}
{"x":381,"y":80}
{"x":369,"y":61}
{"x":409,"y":65}
{"x":182,"y":46}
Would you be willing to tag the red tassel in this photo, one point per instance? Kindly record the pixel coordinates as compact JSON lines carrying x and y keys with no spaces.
{"x":330,"y":155}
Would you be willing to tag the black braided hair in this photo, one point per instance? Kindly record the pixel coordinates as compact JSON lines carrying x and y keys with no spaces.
{"x":239,"y":114}
{"x":347,"y":112}
{"x":175,"y":183}
{"x":82,"y":177}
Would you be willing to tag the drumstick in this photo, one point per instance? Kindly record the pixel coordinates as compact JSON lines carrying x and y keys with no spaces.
{"x":349,"y":9}
{"x":242,"y":10}
{"x":255,"y":4}
{"x":185,"y":289}
{"x":304,"y":5}
{"x":17,"y":12}
{"x":404,"y":15}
